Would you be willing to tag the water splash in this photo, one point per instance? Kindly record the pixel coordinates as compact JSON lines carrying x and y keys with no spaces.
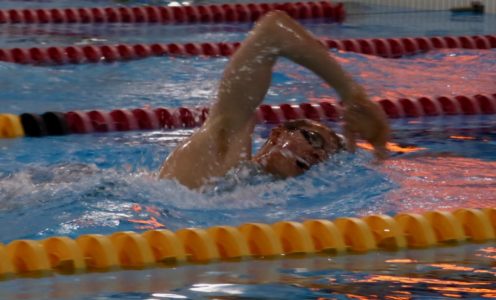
{"x":71,"y":199}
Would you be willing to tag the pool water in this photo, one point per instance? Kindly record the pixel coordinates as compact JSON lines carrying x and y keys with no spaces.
{"x":102,"y":183}
{"x":190,"y":82}
{"x":107,"y":182}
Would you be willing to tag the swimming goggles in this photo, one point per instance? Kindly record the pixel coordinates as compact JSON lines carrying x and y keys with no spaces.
{"x":313,"y":138}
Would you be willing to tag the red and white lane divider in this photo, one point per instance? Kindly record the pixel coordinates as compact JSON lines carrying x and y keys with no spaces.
{"x":149,"y":119}
{"x":384,"y":47}
{"x":213,"y":13}
{"x":398,"y":47}
{"x":158,"y":118}
{"x":135,"y":119}
{"x":146,"y":119}
{"x":57,"y":123}
{"x":480,"y":104}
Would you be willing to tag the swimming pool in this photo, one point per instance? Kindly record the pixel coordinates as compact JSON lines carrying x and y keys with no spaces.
{"x":103,"y":183}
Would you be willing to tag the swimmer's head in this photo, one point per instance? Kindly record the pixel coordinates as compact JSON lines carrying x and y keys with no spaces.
{"x":295,"y":146}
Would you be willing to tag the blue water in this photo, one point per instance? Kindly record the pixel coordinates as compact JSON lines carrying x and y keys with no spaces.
{"x":89,"y":183}
{"x":77,"y":184}
{"x":189,"y":82}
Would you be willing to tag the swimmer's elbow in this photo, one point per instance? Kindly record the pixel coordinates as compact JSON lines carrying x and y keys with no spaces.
{"x":183,"y":176}
{"x":190,"y":182}
{"x":163,"y":174}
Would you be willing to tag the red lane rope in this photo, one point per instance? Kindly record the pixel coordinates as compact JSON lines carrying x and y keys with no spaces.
{"x":158,"y":118}
{"x":213,"y":13}
{"x":384,"y":47}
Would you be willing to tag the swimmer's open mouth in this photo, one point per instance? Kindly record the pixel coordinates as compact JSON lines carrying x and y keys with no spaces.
{"x":302,"y":164}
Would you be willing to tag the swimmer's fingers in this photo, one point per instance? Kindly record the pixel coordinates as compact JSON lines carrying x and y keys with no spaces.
{"x":378,"y":142}
{"x":376,"y":133}
{"x":368,"y":123}
{"x":349,"y":135}
{"x":380,"y":150}
{"x":353,"y":126}
{"x":381,"y":137}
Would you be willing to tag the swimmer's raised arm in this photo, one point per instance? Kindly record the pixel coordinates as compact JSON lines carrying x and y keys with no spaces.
{"x":247,"y":77}
{"x":225,"y":138}
{"x":250,"y":70}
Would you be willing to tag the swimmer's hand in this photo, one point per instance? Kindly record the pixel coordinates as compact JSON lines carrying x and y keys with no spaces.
{"x":365,"y":119}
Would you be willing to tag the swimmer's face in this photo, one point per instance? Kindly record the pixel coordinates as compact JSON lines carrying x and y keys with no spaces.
{"x":295,"y":146}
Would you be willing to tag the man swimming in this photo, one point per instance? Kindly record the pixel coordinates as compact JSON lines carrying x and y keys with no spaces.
{"x":224,"y":140}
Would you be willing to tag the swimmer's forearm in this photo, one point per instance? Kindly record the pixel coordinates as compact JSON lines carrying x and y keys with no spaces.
{"x":294,"y":42}
{"x":353,"y":93}
{"x":247,"y":76}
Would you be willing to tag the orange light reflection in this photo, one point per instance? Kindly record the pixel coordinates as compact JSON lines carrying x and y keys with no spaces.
{"x":401,"y":261}
{"x":461,"y":137}
{"x":136,"y":207}
{"x":403,"y":292}
{"x":352,"y":296}
{"x":462,"y":289}
{"x":488,"y":250}
{"x":410,"y":280}
{"x":392,"y":147}
{"x":153,"y":210}
{"x":151,"y":223}
{"x":451,"y":267}
{"x":452,"y":295}
{"x":397,"y":297}
{"x":440,"y":182}
{"x":485,"y":271}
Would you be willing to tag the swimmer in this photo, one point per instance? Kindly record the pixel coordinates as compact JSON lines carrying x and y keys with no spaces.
{"x":224,"y":140}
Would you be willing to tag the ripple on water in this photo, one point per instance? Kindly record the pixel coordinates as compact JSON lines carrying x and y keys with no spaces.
{"x":72,"y":199}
